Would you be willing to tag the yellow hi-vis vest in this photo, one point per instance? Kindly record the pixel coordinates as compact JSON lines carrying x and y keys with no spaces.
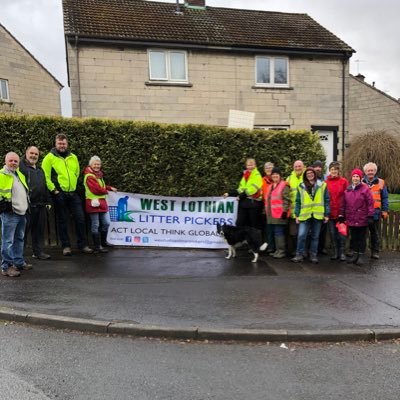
{"x":88,"y":193}
{"x":294,"y":181}
{"x":253,"y":186}
{"x":312,"y":208}
{"x":6,"y":183}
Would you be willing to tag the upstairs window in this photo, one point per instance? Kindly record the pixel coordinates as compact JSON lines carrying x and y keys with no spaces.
{"x":4,"y":94}
{"x":168,"y":65}
{"x":272,"y":71}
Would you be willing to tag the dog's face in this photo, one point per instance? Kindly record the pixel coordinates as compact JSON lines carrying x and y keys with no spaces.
{"x":220,"y":231}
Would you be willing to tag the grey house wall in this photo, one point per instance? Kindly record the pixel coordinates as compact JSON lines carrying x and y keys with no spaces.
{"x":371,"y":109}
{"x":113,"y":82}
{"x":32,"y":89}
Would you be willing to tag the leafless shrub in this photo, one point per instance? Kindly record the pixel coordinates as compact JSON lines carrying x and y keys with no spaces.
{"x":379,"y":147}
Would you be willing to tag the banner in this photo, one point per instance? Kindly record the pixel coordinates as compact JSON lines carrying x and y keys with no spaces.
{"x":144,"y":220}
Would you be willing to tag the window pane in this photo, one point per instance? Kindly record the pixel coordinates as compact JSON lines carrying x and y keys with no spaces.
{"x":178,"y":67}
{"x":263,"y":67}
{"x":3,"y":89}
{"x":280,"y":69}
{"x":158,"y":66}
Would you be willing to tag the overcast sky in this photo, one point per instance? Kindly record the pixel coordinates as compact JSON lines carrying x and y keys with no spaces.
{"x":368,"y":26}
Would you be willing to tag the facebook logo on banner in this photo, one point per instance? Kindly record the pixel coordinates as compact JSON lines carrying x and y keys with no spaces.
{"x":128,"y":239}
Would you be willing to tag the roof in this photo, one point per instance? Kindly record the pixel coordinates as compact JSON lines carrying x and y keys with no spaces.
{"x":361,"y":81}
{"x":30,"y":54}
{"x":140,"y":20}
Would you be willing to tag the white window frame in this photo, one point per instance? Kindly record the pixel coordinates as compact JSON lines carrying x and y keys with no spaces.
{"x":2,"y":98}
{"x":168,"y":66}
{"x":272,"y":72}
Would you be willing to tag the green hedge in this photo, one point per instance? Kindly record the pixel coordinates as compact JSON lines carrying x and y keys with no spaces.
{"x":161,"y":159}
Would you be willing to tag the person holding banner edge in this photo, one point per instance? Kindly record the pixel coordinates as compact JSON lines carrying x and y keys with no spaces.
{"x":249,"y":194}
{"x":95,"y":203}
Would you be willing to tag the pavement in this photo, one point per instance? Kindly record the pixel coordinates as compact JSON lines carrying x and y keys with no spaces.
{"x":198,"y":294}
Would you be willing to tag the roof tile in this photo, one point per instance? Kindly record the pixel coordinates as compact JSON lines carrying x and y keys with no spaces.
{"x":141,"y":20}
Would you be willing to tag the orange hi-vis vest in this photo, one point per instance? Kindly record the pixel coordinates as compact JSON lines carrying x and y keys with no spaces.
{"x":276,"y":199}
{"x":376,"y":192}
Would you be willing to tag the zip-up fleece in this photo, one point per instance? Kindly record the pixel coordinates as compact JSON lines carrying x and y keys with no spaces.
{"x":61,"y":173}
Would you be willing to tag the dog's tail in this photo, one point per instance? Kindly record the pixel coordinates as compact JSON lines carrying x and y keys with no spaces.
{"x":263,"y":246}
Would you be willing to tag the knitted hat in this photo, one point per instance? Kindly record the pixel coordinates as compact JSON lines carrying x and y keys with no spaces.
{"x":317,"y":163}
{"x":276,"y":170}
{"x":358,"y":172}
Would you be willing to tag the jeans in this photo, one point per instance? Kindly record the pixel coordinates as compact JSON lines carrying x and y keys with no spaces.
{"x":35,"y":225}
{"x":314,"y":226}
{"x":12,"y":243}
{"x":96,"y":219}
{"x":278,"y":229}
{"x":65,"y":204}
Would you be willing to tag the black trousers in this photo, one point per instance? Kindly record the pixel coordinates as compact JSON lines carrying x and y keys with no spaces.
{"x":374,"y":238}
{"x":250,"y":216}
{"x":358,"y":238}
{"x":35,"y":226}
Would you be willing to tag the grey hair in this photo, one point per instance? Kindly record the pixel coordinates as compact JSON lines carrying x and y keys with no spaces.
{"x":93,"y":159}
{"x":269,"y":165}
{"x":370,"y":165}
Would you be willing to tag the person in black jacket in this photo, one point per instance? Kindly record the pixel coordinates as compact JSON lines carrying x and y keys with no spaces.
{"x":39,"y":198}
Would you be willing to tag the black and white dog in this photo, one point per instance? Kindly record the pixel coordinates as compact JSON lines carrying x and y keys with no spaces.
{"x":236,"y":236}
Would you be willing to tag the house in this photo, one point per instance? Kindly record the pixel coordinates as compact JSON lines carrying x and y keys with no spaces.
{"x":25,"y":84}
{"x":191,"y":63}
{"x":371,"y":109}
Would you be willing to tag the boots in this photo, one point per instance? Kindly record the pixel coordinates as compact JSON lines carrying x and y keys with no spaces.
{"x":103,"y":236}
{"x":341,"y":254}
{"x":361,"y":261}
{"x":98,"y":248}
{"x":353,"y":259}
{"x":335,"y":251}
{"x":280,"y":244}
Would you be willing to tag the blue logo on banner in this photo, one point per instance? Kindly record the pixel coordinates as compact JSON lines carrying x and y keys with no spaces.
{"x":145,"y":239}
{"x":128,"y":239}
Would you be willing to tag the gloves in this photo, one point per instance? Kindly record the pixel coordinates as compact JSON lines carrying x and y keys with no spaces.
{"x":385,"y":214}
{"x":341,"y":219}
{"x":370,"y":221}
{"x":284,"y":215}
{"x":242,"y":196}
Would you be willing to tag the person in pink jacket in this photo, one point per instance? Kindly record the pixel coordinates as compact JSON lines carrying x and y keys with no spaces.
{"x":358,"y":212}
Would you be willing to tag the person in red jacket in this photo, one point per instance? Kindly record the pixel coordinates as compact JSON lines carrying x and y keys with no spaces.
{"x":336,"y":185}
{"x":95,"y":203}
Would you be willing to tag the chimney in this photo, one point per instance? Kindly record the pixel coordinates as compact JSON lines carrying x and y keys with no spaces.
{"x":360,"y":77}
{"x":195,"y":3}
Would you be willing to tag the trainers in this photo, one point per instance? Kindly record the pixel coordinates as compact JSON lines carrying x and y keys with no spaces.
{"x":11,"y":272}
{"x":67,"y":251}
{"x":314,"y":258}
{"x":25,"y":266}
{"x":41,"y":256}
{"x":297,"y":258}
{"x":86,"y":250}
{"x":375,"y":255}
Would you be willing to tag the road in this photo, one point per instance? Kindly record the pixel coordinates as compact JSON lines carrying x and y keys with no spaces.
{"x":40,"y":364}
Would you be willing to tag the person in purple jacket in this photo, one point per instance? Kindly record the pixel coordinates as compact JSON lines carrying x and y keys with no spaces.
{"x":358,"y":212}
